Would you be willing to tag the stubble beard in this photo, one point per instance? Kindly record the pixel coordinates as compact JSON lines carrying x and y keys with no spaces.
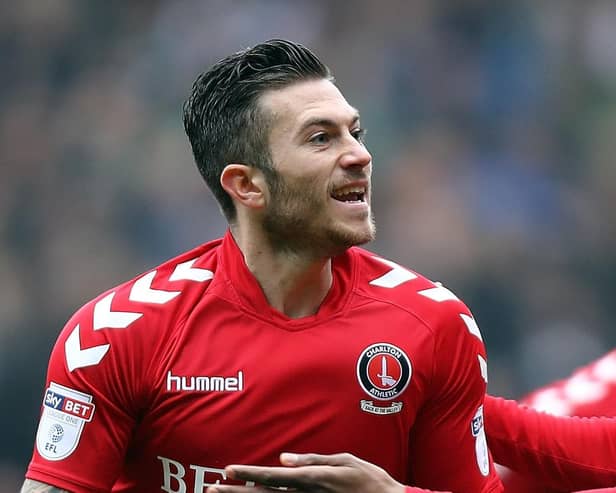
{"x":294,"y":223}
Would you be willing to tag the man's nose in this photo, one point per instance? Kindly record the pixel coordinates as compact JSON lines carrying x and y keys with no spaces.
{"x":356,"y":155}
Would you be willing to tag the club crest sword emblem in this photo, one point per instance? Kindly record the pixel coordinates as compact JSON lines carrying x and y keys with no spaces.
{"x":384,"y":372}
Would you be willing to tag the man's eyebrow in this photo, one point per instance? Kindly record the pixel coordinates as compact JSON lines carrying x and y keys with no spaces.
{"x":325,"y":122}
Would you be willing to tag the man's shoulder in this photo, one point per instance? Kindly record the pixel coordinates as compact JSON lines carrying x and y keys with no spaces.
{"x":380,"y":276}
{"x":386,"y":281}
{"x":136,"y":320}
{"x":431,"y":303}
{"x":155,"y":296}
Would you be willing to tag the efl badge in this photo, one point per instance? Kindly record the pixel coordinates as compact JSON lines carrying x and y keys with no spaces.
{"x":65,"y":413}
{"x":383,"y":371}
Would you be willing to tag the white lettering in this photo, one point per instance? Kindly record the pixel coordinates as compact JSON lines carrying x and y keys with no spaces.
{"x":200,"y":483}
{"x":53,"y":400}
{"x":383,"y":349}
{"x":171,"y":379}
{"x":383,"y":394}
{"x":205,"y":384}
{"x":77,"y":408}
{"x":175,"y":472}
{"x":217,"y":384}
{"x":168,"y":475}
{"x":57,"y":415}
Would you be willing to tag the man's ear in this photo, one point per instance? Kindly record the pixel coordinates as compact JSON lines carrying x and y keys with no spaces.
{"x":245,"y":184}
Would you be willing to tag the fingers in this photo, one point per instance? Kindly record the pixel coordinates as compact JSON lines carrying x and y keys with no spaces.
{"x":266,"y":476}
{"x":289,"y":459}
{"x":227,"y":488}
{"x":302,"y":472}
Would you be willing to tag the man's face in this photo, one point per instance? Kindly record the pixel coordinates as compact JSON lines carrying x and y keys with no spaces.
{"x":320,"y":199}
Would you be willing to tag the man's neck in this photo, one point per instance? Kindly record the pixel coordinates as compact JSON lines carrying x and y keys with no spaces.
{"x":293,"y":283}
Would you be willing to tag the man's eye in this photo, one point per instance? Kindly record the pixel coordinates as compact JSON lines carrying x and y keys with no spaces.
{"x":359,"y":134}
{"x":320,"y":138}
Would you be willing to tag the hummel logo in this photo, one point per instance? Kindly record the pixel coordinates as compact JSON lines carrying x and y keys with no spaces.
{"x":205,"y":384}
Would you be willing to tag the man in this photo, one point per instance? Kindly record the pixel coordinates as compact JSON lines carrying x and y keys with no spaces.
{"x":281,"y":335}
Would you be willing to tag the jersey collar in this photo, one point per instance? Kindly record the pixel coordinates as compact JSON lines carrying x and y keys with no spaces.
{"x":249,"y":294}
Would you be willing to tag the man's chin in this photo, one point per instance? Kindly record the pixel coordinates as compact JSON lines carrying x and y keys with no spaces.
{"x":348,"y":238}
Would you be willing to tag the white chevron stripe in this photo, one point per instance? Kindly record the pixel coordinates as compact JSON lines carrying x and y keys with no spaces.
{"x":142,"y":291}
{"x":105,"y":318}
{"x":472,"y":326}
{"x":77,"y":357}
{"x":483,"y":367}
{"x":439,"y":293}
{"x":583,"y":388}
{"x":186,"y":271}
{"x":396,"y":276}
{"x":551,"y":401}
{"x":605,"y":368}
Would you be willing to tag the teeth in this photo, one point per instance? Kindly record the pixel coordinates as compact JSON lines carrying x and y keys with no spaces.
{"x":347,"y":190}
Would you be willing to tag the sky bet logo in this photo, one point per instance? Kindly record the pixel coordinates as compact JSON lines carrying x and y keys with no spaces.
{"x":59,"y":402}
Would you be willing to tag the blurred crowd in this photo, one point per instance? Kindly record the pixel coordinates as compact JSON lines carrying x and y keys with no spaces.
{"x":492,"y":126}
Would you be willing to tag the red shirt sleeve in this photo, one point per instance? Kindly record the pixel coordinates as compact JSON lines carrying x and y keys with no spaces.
{"x":448,"y":438}
{"x":76,"y":452}
{"x":589,"y":391}
{"x":568,"y":453}
{"x":95,"y":393}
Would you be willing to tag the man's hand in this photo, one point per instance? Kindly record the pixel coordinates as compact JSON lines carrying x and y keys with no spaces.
{"x":313,"y":473}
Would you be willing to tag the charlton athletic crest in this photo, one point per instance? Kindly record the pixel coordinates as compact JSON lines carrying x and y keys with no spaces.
{"x":384,"y":372}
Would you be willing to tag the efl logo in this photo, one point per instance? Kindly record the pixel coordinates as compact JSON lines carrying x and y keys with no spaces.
{"x":59,"y":402}
{"x":65,"y":413}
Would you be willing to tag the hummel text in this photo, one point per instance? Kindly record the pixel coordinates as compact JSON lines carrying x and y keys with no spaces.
{"x":205,"y":384}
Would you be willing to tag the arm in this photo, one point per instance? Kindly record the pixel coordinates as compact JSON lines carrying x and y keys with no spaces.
{"x":589,"y":391}
{"x":568,"y":453}
{"x":87,"y":417}
{"x":31,"y":486}
{"x":448,"y":449}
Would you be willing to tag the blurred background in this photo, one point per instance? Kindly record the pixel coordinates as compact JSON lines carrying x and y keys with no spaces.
{"x":492,"y":126}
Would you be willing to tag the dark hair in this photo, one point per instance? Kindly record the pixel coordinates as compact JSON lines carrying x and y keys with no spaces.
{"x":222,"y":117}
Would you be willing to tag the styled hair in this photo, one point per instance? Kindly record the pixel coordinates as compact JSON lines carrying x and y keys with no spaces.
{"x":222,"y":116}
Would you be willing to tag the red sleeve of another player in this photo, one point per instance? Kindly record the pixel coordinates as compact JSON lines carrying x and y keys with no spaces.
{"x":568,"y":453}
{"x":589,"y":391}
{"x":448,"y":443}
{"x":89,"y":409}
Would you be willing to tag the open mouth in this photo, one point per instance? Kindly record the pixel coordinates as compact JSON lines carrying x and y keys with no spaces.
{"x":352,"y":194}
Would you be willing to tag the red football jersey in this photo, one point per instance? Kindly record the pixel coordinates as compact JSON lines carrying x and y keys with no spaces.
{"x":160,"y":383}
{"x":566,"y":452}
{"x":589,"y":391}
